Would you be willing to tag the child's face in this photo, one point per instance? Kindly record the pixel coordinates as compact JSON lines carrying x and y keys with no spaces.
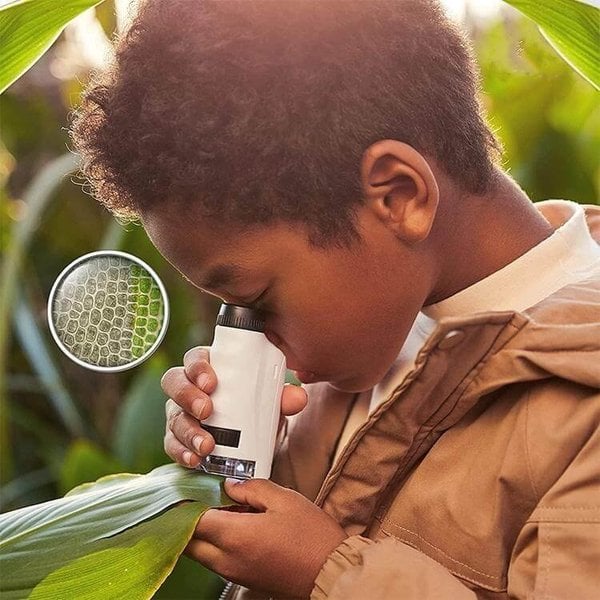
{"x":342,"y":314}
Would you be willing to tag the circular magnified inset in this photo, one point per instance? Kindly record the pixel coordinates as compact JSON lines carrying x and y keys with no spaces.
{"x":108,"y":311}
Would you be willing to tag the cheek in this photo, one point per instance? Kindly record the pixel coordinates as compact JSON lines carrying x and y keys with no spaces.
{"x":321,"y":328}
{"x":300,"y":329}
{"x":303,"y":327}
{"x":351,"y":338}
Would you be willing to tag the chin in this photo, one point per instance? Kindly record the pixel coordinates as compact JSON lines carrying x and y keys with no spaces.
{"x":351,"y":385}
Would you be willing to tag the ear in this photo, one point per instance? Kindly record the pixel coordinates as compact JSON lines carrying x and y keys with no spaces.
{"x":400,"y":188}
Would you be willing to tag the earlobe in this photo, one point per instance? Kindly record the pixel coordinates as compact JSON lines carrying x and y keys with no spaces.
{"x":400,"y":188}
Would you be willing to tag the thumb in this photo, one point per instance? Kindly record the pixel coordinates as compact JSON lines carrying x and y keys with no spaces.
{"x":293,"y":399}
{"x":261,"y":494}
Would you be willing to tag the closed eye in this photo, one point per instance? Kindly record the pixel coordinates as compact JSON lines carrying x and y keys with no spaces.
{"x":249,"y":301}
{"x":258,"y":299}
{"x":232,"y":298}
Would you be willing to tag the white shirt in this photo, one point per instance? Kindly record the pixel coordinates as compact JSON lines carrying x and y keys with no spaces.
{"x":567,"y":256}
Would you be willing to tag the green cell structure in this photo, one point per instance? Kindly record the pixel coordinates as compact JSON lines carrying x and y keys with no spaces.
{"x":108,"y":311}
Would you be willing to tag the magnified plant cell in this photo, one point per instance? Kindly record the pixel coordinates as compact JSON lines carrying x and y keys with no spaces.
{"x":108,"y":311}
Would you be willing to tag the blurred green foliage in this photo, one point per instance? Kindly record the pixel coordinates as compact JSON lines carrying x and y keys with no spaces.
{"x":572,"y":28}
{"x":546,"y":115}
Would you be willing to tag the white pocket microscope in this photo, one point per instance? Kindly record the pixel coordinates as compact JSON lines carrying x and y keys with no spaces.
{"x":247,"y":400}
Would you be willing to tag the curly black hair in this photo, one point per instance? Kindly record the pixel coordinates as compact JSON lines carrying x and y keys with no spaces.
{"x":256,"y":111}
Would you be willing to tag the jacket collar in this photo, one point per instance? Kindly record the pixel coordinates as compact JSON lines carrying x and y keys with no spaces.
{"x":464,"y":360}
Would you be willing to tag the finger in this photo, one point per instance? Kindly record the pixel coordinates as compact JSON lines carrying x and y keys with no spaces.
{"x":187,"y":395}
{"x":222,"y":527}
{"x":171,"y":409}
{"x":188,"y":431}
{"x":293,"y":399}
{"x":206,"y":554}
{"x":196,"y":363}
{"x":258,"y":493}
{"x":179,"y":453}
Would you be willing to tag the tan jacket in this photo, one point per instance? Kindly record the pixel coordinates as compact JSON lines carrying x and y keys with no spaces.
{"x":480,"y":476}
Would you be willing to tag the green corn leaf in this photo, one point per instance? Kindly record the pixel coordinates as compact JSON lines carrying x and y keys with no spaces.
{"x":116,"y":538}
{"x":572,"y":28}
{"x":28,"y":28}
{"x":134,"y":569}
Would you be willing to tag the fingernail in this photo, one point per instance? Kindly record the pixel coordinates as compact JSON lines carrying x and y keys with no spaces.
{"x":198,"y":407}
{"x":197,"y":442}
{"x":187,"y":457}
{"x":232,"y":481}
{"x":202,"y":380}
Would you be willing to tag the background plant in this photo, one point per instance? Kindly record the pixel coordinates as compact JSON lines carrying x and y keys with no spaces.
{"x":61,"y":425}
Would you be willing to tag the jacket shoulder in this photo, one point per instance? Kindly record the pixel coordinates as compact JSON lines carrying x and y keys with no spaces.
{"x":562,"y":418}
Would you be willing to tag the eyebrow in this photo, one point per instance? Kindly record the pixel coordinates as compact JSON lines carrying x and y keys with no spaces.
{"x":223,"y":274}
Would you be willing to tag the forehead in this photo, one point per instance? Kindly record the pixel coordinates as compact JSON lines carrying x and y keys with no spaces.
{"x":223,"y":274}
{"x":211,"y":255}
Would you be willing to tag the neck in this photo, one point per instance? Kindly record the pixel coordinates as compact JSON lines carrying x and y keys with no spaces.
{"x":491,"y":232}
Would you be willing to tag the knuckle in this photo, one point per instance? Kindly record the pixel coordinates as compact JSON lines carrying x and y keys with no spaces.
{"x":196,"y":354}
{"x":169,"y":376}
{"x":180,"y":391}
{"x":196,"y":362}
{"x":225,"y":569}
{"x":178,"y":394}
{"x":171,"y":406}
{"x":256,"y":486}
{"x":193,"y":369}
{"x":173,"y":417}
{"x":212,"y":563}
{"x":168,"y":445}
{"x":185,"y":431}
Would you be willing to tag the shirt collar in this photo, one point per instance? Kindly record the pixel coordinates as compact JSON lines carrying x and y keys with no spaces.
{"x":565,"y":257}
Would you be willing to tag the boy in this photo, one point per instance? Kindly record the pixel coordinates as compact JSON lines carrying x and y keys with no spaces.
{"x":327,"y":163}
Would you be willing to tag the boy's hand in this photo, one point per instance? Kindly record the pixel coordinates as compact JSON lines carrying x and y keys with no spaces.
{"x":279,"y":550}
{"x":189,"y":388}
